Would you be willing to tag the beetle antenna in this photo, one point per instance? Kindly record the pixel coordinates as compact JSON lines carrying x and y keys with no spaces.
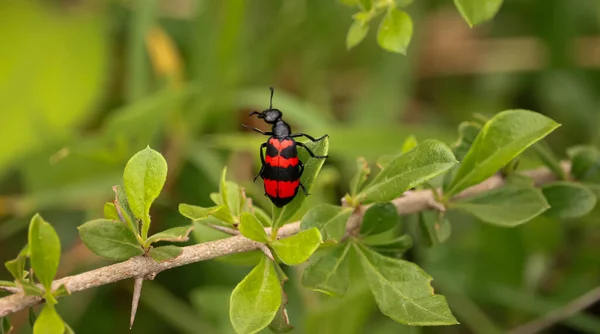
{"x":271,"y":100}
{"x":254,"y":113}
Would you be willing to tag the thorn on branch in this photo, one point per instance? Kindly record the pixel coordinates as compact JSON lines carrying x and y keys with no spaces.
{"x":137,"y":292}
{"x":224,"y":229}
{"x":267,"y":251}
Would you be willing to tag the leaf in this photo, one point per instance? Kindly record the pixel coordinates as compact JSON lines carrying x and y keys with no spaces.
{"x":394,"y":247}
{"x":48,"y":322}
{"x":110,"y":211}
{"x":427,"y":160}
{"x":230,"y":199}
{"x":508,"y":206}
{"x":109,"y":239}
{"x":362,"y":173}
{"x":175,"y":234}
{"x":197,"y":213}
{"x":262,"y":216}
{"x":297,"y":248}
{"x":477,"y":11}
{"x":395,"y":31}
{"x":502,"y":139}
{"x":365,"y":4}
{"x":31,"y":317}
{"x":435,"y":226}
{"x":585,"y":163}
{"x":329,"y":219}
{"x":467,"y":131}
{"x":379,"y":217}
{"x":8,"y":284}
{"x":123,"y":209}
{"x":312,"y":166}
{"x":61,"y":291}
{"x":164,"y":253}
{"x":144,"y":177}
{"x":251,"y":228}
{"x":17,"y":266}
{"x":5,"y":326}
{"x":31,"y":289}
{"x":356,"y":33}
{"x":44,"y":250}
{"x":548,"y":158}
{"x":329,"y":273}
{"x":402,"y":290}
{"x":281,"y":321}
{"x":568,"y":199}
{"x":256,"y":299}
{"x":409,"y":143}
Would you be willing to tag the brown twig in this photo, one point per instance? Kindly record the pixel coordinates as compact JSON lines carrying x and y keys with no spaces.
{"x":143,"y":266}
{"x":577,"y":305}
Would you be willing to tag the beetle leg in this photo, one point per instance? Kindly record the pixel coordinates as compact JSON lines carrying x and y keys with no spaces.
{"x":296,"y":135}
{"x":259,"y":173}
{"x":301,"y":166}
{"x":257,"y":130}
{"x":310,"y":152}
{"x":304,"y":189}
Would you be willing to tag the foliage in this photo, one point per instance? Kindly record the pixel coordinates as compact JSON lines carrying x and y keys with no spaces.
{"x":180,"y":79}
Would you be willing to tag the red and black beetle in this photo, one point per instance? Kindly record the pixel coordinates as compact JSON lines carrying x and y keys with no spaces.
{"x":281,"y":170}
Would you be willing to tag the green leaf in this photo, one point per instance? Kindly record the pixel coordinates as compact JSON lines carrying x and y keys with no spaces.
{"x":230,"y":198}
{"x":477,"y":11}
{"x":585,"y":163}
{"x":281,"y":321}
{"x":360,"y":177}
{"x":409,"y":143}
{"x":395,"y":31}
{"x":164,"y":253}
{"x":124,"y":211}
{"x":467,"y":132}
{"x":31,"y":317}
{"x":548,"y":158}
{"x":568,"y":199}
{"x":394,"y":247}
{"x":175,"y":234}
{"x":312,"y":166}
{"x":502,"y":139}
{"x":144,"y":177}
{"x":110,"y":239}
{"x":110,"y":211}
{"x":44,"y":250}
{"x":402,"y":290}
{"x":5,"y":326}
{"x":297,"y":248}
{"x":356,"y":33}
{"x":197,"y":213}
{"x":330,"y":272}
{"x":379,"y":217}
{"x":17,"y":266}
{"x":255,"y":301}
{"x":49,"y":322}
{"x":251,"y":228}
{"x":435,"y":226}
{"x":508,"y":206}
{"x":427,"y":160}
{"x":61,"y":291}
{"x":365,"y":4}
{"x":262,"y":216}
{"x":31,"y":289}
{"x":8,"y":284}
{"x":329,"y":219}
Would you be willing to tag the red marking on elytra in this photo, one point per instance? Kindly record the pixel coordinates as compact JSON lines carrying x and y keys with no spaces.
{"x":280,"y":161}
{"x":271,"y":187}
{"x":280,"y":145}
{"x":288,"y":188}
{"x":281,"y":189}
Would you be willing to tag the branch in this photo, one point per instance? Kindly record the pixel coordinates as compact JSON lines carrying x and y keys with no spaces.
{"x":577,"y":305}
{"x":142,"y":266}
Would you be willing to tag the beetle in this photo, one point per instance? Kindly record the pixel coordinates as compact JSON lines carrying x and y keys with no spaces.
{"x":281,"y":169}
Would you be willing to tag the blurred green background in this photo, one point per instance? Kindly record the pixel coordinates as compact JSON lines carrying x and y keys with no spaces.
{"x":84,"y":84}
